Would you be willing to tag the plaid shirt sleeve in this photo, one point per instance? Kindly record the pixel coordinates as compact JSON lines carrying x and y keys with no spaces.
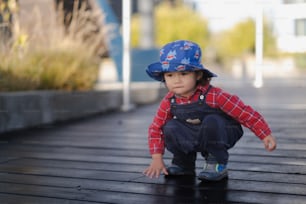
{"x":155,"y":134}
{"x":244,"y":114}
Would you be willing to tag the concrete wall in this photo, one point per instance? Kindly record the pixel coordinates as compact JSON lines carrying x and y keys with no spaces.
{"x":33,"y":108}
{"x":28,"y":109}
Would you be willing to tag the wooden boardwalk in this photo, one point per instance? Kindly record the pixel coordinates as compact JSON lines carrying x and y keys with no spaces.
{"x":100,"y":160}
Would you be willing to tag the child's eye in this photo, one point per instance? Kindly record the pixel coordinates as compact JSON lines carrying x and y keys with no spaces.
{"x":185,"y":73}
{"x":168,"y":75}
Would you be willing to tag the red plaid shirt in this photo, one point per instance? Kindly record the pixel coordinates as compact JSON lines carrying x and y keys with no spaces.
{"x":215,"y":98}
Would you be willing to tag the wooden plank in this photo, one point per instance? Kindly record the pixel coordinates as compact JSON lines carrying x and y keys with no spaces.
{"x":251,"y":179}
{"x":245,"y":171}
{"x":28,"y":199}
{"x":294,"y":165}
{"x":184,"y":190}
{"x":139,"y":164}
{"x":24,"y":149}
{"x":83,"y":195}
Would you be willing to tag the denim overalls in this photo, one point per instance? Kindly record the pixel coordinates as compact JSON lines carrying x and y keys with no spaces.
{"x":197,"y":127}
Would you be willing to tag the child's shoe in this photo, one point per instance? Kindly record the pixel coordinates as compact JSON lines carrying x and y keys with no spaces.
{"x":175,"y":170}
{"x":213,"y":171}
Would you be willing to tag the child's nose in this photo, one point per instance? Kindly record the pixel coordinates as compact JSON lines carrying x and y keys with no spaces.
{"x":177,"y":78}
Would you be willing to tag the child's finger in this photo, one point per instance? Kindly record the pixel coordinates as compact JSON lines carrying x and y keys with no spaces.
{"x":165,"y":171}
{"x":270,"y":145}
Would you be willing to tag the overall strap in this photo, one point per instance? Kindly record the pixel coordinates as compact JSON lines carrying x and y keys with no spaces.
{"x":203,"y":96}
{"x":172,"y":100}
{"x":209,"y":87}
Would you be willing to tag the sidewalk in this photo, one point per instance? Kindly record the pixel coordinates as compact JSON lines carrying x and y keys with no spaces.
{"x":100,"y":159}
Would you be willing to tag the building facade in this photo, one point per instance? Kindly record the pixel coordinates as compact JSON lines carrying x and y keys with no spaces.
{"x":287,"y":18}
{"x":290,"y":25}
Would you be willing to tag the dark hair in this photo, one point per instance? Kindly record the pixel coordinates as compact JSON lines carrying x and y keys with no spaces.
{"x":205,"y":79}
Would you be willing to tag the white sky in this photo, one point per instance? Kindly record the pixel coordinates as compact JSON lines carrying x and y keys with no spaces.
{"x":222,"y":14}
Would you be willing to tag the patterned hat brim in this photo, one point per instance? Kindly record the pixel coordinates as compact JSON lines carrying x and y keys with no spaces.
{"x":156,"y":70}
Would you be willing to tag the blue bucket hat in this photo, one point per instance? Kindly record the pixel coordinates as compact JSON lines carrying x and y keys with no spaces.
{"x":180,"y":55}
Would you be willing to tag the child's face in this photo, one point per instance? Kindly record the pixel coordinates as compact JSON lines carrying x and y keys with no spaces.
{"x":181,"y":83}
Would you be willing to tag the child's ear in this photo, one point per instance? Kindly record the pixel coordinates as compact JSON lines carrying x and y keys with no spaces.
{"x":199,"y":75}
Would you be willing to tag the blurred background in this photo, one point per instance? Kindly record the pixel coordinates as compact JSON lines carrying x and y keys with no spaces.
{"x":77,"y":44}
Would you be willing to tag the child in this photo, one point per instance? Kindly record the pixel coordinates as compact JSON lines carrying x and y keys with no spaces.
{"x":196,"y":117}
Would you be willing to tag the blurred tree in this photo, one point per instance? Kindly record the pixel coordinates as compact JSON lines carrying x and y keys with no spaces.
{"x":270,"y":45}
{"x":172,"y":3}
{"x":240,"y":40}
{"x":174,"y":21}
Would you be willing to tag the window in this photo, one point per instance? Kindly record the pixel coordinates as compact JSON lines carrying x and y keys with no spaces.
{"x":300,"y":27}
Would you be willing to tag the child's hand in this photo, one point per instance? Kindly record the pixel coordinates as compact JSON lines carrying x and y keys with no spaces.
{"x":156,"y":167}
{"x":270,"y":143}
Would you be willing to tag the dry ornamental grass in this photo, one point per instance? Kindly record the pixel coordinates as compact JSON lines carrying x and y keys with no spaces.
{"x":45,"y":55}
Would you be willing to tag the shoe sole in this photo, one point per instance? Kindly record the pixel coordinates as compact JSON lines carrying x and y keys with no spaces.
{"x":180,"y":174}
{"x":213,"y":179}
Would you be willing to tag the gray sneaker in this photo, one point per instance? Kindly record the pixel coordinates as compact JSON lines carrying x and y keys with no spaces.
{"x":213,"y":171}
